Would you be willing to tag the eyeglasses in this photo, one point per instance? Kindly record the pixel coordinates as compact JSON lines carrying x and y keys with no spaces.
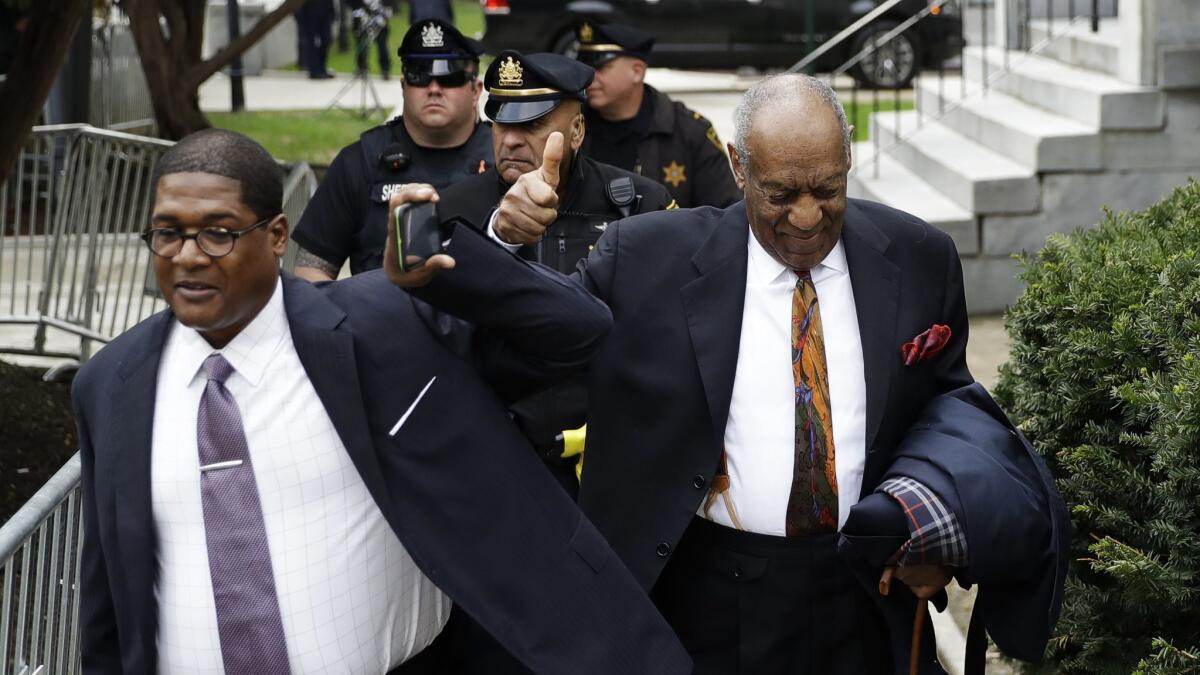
{"x":215,"y":242}
{"x":451,"y":81}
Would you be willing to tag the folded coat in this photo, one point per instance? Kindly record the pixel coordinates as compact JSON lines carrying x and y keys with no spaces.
{"x":969,"y":454}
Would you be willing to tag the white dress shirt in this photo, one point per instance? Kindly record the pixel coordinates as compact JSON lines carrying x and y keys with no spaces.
{"x":350,"y":597}
{"x":760,"y":431}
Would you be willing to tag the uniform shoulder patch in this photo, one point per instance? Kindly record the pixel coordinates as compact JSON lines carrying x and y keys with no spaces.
{"x":711,"y":135}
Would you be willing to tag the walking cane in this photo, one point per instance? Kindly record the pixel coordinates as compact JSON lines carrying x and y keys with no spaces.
{"x":914,"y":650}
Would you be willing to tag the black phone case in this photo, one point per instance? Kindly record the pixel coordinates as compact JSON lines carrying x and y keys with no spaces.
{"x":418,"y":233}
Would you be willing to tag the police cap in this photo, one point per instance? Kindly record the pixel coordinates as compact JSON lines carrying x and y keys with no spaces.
{"x":434,"y":47}
{"x":523,"y":88}
{"x":601,"y":43}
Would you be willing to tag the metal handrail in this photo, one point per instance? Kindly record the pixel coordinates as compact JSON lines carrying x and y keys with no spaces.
{"x":986,"y":80}
{"x":21,"y":525}
{"x":39,"y":565}
{"x":842,"y":36}
{"x":887,"y":37}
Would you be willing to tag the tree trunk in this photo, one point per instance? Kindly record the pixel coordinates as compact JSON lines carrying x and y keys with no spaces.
{"x":43,"y":48}
{"x":173,"y":67}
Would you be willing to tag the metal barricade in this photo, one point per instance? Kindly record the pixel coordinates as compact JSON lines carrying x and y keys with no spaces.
{"x":120,"y":98}
{"x":39,"y":572}
{"x":298,"y":189}
{"x":70,"y":257}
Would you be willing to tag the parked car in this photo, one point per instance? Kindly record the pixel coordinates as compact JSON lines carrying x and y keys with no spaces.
{"x":721,"y":34}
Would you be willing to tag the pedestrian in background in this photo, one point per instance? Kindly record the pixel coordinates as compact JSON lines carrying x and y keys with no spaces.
{"x":314,"y":19}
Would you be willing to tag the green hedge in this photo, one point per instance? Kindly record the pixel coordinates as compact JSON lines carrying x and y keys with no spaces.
{"x":1105,"y":379}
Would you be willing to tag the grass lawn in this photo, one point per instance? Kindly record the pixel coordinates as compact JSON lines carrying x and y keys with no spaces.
{"x":313,"y":136}
{"x":860,"y":116}
{"x":468,"y":18}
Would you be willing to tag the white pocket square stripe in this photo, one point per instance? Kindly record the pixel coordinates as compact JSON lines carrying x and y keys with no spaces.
{"x":404,"y":417}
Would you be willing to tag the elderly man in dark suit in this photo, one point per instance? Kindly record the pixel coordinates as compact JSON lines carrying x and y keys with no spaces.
{"x":282,"y":478}
{"x":754,"y":388}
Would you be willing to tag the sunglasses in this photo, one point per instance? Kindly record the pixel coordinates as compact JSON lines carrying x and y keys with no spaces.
{"x":451,"y":81}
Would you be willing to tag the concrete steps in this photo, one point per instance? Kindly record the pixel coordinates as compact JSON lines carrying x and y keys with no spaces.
{"x":1073,"y":42}
{"x":975,"y":177}
{"x":892,"y":184}
{"x":1093,"y":98}
{"x":1032,"y":137}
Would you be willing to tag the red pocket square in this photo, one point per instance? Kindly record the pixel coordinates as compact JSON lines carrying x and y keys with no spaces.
{"x":926,"y":345}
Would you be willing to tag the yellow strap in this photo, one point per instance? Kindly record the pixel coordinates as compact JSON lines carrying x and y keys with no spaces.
{"x":573,"y":440}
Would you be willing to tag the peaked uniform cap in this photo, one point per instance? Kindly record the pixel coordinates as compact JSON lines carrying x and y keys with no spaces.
{"x":601,"y":43}
{"x":523,"y":88}
{"x":438,"y":48}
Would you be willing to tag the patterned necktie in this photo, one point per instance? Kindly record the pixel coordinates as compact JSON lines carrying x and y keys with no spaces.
{"x":239,"y":561}
{"x":813,"y":504}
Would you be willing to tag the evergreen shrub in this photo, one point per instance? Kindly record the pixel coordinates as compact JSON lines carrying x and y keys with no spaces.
{"x":1104,"y":378}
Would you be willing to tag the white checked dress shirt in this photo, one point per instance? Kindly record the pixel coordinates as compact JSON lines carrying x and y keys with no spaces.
{"x":350,"y":597}
{"x":760,"y":445}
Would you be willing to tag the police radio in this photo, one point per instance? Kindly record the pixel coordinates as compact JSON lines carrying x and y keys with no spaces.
{"x":393,"y":158}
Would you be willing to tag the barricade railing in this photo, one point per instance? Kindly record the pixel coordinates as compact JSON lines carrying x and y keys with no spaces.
{"x":298,"y":189}
{"x":72,"y":265}
{"x":119,"y":99}
{"x":39,"y":580}
{"x":70,"y":257}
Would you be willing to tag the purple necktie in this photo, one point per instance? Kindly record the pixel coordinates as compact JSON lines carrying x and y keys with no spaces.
{"x":238,"y":558}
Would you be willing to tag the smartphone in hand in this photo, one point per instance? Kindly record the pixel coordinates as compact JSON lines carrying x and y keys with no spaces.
{"x":418,"y":234}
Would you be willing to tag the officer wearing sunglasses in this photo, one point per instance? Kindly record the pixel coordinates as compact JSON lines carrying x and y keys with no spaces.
{"x":439,"y":139}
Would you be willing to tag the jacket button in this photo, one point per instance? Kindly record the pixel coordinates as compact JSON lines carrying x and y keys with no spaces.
{"x":663,"y":549}
{"x":698,"y":482}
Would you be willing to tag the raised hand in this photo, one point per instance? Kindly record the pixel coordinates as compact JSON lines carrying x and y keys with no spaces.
{"x":531,"y":204}
{"x":411,"y":193}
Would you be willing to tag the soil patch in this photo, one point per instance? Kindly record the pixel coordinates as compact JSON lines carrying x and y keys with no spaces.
{"x":37,"y":433}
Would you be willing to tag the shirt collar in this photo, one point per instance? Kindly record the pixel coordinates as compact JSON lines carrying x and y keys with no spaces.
{"x":250,"y":351}
{"x":767,"y":270}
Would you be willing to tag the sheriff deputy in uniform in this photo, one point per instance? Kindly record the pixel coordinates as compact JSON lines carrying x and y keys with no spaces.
{"x":634,"y":126}
{"x":530,"y":98}
{"x":438,"y":140}
{"x":536,"y":103}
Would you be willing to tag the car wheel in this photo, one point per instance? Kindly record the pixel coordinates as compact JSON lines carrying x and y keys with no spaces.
{"x":566,"y":44}
{"x":892,"y":64}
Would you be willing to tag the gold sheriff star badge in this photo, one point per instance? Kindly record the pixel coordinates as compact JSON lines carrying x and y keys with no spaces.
{"x":673,"y":174}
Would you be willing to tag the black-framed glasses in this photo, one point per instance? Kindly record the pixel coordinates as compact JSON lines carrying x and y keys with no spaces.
{"x":215,"y":242}
{"x":418,"y":78}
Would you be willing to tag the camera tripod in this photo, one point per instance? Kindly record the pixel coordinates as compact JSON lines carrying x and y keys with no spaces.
{"x":368,"y":30}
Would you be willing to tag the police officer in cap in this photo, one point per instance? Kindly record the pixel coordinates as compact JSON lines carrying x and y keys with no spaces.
{"x":636,"y":127}
{"x":439,"y":140}
{"x":530,"y":98}
{"x":536,"y":104}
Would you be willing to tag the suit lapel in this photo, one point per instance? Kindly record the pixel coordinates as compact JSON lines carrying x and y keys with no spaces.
{"x":713,"y":304}
{"x":133,"y":392}
{"x":326,"y":350}
{"x":876,"y":300}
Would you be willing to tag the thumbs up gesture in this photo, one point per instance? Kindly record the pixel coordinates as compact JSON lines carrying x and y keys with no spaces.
{"x":531,"y":204}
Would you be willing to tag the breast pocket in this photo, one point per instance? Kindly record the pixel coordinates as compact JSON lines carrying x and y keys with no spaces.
{"x":400,"y":422}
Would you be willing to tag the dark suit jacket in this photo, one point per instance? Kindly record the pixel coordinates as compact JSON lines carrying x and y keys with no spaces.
{"x":967,"y":452}
{"x":661,"y":384}
{"x":458,"y":484}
